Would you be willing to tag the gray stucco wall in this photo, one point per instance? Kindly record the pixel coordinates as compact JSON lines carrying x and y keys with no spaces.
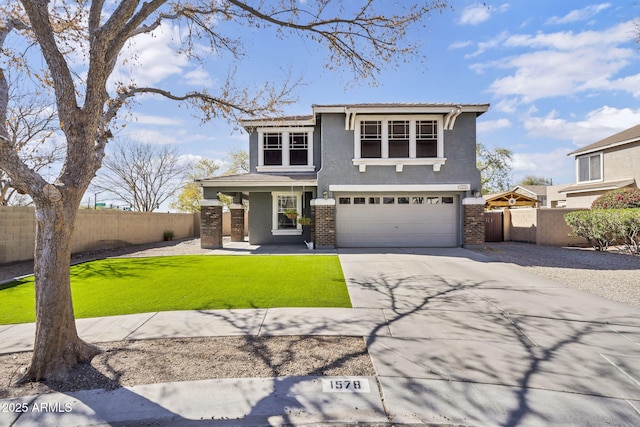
{"x":459,"y":149}
{"x":261,"y":217}
{"x":253,"y":149}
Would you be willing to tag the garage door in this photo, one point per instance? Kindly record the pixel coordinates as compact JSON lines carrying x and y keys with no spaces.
{"x":396,"y":220}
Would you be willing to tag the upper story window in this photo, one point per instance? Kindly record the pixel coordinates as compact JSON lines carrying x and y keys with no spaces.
{"x":590,"y":168}
{"x":398,"y":141}
{"x":285,"y":149}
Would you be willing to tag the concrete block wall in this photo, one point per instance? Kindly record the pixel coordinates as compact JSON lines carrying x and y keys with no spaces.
{"x":94,"y":230}
{"x":553,"y":230}
{"x":541,"y":226}
{"x":17,"y":233}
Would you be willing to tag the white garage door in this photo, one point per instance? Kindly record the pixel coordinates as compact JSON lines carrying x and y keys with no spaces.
{"x":396,"y":220}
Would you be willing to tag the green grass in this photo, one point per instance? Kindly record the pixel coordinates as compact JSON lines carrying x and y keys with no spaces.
{"x":138,"y":285}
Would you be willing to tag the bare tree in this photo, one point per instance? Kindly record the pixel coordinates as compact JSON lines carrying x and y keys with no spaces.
{"x":141,"y":175}
{"x":80,"y":43}
{"x":31,"y":123}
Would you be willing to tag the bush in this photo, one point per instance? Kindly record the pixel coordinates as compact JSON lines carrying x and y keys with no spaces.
{"x":599,"y":227}
{"x":623,"y":198}
{"x":604,"y":227}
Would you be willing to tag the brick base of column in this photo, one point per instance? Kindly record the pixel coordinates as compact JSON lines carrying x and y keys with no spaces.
{"x":323,"y":223}
{"x":473,"y":224}
{"x":210,"y":225}
{"x":237,"y":223}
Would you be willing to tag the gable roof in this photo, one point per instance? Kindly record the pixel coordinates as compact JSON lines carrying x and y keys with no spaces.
{"x":534,"y":190}
{"x":621,"y":138}
{"x":509,"y":199}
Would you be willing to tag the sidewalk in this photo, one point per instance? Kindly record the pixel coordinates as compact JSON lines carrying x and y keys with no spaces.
{"x":455,"y":339}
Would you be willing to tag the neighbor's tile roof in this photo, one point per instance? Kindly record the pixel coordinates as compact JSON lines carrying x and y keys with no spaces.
{"x":626,"y":136}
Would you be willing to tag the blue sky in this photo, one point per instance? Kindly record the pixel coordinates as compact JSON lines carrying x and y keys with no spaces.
{"x":558,"y":75}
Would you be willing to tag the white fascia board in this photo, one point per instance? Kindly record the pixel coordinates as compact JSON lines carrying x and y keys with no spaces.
{"x":307,"y":183}
{"x":275,"y":123}
{"x":413,"y":188}
{"x":400,"y":109}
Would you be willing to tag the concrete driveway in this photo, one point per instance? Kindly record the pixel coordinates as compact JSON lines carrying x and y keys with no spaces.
{"x":472,"y":342}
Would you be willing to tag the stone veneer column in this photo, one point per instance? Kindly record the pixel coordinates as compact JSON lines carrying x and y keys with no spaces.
{"x":237,"y":222}
{"x":323,"y":223}
{"x":473,"y":221}
{"x":211,"y":224}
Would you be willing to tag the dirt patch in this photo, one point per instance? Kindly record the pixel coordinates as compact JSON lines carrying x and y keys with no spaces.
{"x":128,"y":363}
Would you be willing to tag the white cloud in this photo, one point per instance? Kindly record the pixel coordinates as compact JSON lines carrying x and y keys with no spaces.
{"x":551,"y":165}
{"x":474,"y":15}
{"x":460,"y":44}
{"x":198,"y":77}
{"x":564,"y":63}
{"x":597,"y":124}
{"x":579,"y":14}
{"x":479,"y":13}
{"x":146,"y":119}
{"x":148,"y":136}
{"x":150,"y":58}
{"x":493,"y":125}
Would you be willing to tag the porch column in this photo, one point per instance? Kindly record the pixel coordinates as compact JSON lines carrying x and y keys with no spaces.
{"x":237,"y":222}
{"x":211,"y":224}
{"x":323,"y":223}
{"x":473,"y":222}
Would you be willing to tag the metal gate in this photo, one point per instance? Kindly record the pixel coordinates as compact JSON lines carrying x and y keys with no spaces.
{"x":493,"y":229}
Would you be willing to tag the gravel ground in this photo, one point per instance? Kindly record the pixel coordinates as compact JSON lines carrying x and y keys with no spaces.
{"x":611,"y":275}
{"x":127,"y":363}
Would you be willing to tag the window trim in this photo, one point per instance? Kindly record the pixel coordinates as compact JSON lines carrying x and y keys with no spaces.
{"x":589,"y":156}
{"x":275,"y":231}
{"x":285,"y":136}
{"x":384,"y":159}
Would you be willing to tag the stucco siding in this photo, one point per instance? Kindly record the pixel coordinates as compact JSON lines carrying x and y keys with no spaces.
{"x":622,"y":162}
{"x":338,"y":151}
{"x":261,"y":221}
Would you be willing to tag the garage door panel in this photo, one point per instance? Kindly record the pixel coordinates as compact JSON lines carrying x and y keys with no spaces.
{"x":396,"y":224}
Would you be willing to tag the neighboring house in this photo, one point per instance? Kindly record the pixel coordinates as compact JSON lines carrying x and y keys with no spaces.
{"x":609,"y":164}
{"x":510,"y":199}
{"x":537,"y":192}
{"x":366,"y":175}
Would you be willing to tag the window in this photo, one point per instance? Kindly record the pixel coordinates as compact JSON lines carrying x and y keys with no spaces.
{"x":381,"y":140}
{"x":403,"y":200}
{"x":447,"y":200}
{"x":374,"y":200}
{"x":426,"y":138}
{"x":388,"y":200}
{"x":590,"y":168}
{"x":371,"y":139}
{"x":344,"y":200}
{"x":417,"y":200}
{"x":283,"y":222}
{"x":359,"y":200}
{"x":399,"y":138}
{"x":298,"y":148}
{"x":272,"y":149}
{"x":287,"y":149}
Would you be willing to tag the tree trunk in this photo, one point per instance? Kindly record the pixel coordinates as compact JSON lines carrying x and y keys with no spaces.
{"x":57,"y":347}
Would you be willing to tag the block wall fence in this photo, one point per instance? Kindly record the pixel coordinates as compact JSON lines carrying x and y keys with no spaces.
{"x":541,"y":226}
{"x":97,"y":229}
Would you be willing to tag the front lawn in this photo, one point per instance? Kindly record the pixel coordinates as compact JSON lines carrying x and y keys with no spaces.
{"x":139,"y":285}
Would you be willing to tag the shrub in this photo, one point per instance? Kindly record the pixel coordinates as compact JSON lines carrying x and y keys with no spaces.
{"x":622,"y":198}
{"x":630,"y":219}
{"x":603,"y":227}
{"x":599,"y":227}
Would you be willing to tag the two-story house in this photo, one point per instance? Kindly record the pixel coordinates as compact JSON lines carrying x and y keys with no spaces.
{"x":605,"y":165}
{"x":367,"y":175}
